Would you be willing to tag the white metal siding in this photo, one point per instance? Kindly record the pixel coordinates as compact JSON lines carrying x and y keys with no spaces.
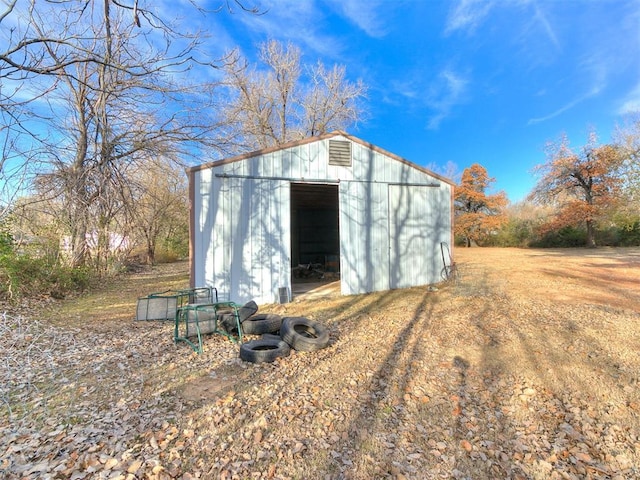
{"x":242,"y":236}
{"x":363,"y":237}
{"x":409,"y":219}
{"x":253,"y":241}
{"x":390,"y":228}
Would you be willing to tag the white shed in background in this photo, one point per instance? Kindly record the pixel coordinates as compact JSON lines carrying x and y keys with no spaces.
{"x":253,"y":217}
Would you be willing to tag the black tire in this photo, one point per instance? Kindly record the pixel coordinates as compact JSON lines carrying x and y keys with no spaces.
{"x":264,"y":350}
{"x":262,"y":323}
{"x":303,"y":334}
{"x":248,"y":309}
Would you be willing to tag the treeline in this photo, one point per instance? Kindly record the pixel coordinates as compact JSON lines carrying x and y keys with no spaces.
{"x":585,"y":196}
{"x":100,"y":116}
{"x":527,"y":233}
{"x":104,"y":108}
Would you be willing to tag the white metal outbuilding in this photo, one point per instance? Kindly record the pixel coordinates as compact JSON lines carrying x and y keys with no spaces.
{"x":253,"y":217}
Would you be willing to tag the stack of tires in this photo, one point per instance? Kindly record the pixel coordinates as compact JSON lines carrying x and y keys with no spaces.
{"x":280,"y":335}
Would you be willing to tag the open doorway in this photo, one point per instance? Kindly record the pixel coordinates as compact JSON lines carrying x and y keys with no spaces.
{"x":315,"y":235}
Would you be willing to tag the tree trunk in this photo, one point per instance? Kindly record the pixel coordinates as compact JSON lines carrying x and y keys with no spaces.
{"x":151,"y":254}
{"x":78,"y":220}
{"x":151,"y":250}
{"x":591,"y":234}
{"x":78,"y":244}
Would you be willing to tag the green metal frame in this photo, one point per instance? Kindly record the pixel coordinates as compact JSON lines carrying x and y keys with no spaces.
{"x":197,"y":320}
{"x":164,"y":305}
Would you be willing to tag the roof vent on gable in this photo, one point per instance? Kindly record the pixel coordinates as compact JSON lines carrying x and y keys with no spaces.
{"x":340,"y":153}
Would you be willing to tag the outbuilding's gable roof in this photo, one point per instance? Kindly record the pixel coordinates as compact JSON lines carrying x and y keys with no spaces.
{"x":308,"y":140}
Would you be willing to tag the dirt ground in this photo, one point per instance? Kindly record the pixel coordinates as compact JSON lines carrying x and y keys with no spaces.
{"x":527,"y":367}
{"x":604,"y":276}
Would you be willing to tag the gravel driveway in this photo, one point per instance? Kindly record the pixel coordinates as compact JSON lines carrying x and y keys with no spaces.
{"x":527,"y":368}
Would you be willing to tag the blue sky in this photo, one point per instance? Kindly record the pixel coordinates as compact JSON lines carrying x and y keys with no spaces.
{"x":463,"y":82}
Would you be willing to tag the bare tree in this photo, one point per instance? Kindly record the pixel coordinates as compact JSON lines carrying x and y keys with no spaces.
{"x":18,"y":156}
{"x":111,"y":101}
{"x":159,"y":202}
{"x":627,"y":140}
{"x":330,"y":101}
{"x":107,"y":81}
{"x":287,"y":100}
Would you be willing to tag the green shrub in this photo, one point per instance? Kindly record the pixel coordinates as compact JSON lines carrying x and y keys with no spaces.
{"x":24,"y":275}
{"x":514,"y":233}
{"x":630,"y":236}
{"x":619,"y":236}
{"x":166,"y":256}
{"x":65,"y":280}
{"x":609,"y":237}
{"x":175,"y":246}
{"x":6,"y":244}
{"x":566,"y":237}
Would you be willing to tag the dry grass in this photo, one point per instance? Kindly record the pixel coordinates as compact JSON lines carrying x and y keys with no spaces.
{"x":526,"y":368}
{"x":115,"y":303}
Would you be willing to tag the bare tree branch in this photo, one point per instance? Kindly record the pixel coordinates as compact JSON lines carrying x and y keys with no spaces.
{"x":278,"y":104}
{"x":112,"y":102}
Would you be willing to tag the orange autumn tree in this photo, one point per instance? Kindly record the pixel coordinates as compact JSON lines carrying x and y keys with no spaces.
{"x":582,"y":184}
{"x":476,"y":213}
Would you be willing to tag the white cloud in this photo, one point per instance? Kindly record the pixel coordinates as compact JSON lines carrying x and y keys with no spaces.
{"x":593,"y":92}
{"x":297,"y":22}
{"x":631,"y":103}
{"x":364,"y":14}
{"x":447,"y":91}
{"x":405,"y":88}
{"x":467,"y":15}
{"x":541,"y":18}
{"x":439,"y":97}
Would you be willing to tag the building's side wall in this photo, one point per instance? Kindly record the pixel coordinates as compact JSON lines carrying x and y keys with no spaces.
{"x":242,"y":222}
{"x":200,"y":225}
